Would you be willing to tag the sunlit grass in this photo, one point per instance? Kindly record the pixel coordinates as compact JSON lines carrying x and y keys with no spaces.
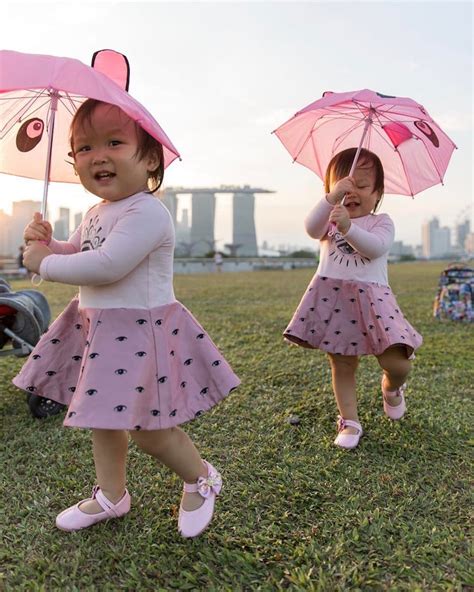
{"x":295,"y":512}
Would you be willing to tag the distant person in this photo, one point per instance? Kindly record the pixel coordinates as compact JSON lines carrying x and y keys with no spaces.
{"x":126,"y":357}
{"x":20,"y":262}
{"x":348,"y":309}
{"x":218,"y":261}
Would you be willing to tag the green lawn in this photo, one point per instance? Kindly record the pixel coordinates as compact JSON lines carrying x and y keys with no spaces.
{"x":295,"y":512}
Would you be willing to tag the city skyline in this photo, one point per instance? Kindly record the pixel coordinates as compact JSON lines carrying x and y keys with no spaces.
{"x":224,"y":75}
{"x":432,"y":232}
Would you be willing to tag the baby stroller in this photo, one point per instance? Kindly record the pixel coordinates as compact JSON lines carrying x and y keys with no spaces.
{"x":455,"y":298}
{"x":24,"y":317}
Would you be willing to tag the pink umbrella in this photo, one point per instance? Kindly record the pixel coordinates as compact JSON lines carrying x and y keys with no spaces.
{"x":39,"y":95}
{"x":413,"y":149}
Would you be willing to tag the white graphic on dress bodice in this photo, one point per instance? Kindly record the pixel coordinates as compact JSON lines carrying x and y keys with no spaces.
{"x":91,"y":239}
{"x":342,"y":252}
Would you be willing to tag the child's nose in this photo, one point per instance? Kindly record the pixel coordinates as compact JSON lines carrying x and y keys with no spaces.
{"x":100,"y":157}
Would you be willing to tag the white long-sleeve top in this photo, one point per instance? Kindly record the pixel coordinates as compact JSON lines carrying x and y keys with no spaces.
{"x":120,"y":256}
{"x":361,"y":254}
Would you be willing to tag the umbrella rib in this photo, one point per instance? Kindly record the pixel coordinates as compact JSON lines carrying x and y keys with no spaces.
{"x":344,"y":135}
{"x":310,"y":134}
{"x":405,"y":171}
{"x":431,"y":158}
{"x":17,"y":118}
{"x":33,"y":92}
{"x":316,"y":156}
{"x":68,"y":104}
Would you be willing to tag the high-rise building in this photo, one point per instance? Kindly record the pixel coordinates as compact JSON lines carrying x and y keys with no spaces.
{"x":77,"y":219}
{"x":61,"y":226}
{"x":202,"y":229}
{"x":461,"y":231}
{"x":244,"y":234}
{"x":399,"y":249}
{"x":22,"y":214}
{"x":5,"y":239}
{"x":182,"y":228}
{"x":436,"y":240}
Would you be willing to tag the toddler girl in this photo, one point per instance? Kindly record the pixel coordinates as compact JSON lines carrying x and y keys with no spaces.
{"x":126,"y":356}
{"x":348,"y":309}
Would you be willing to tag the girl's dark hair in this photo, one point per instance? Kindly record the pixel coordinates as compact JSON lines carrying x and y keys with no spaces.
{"x":340,"y":165}
{"x":147,"y":144}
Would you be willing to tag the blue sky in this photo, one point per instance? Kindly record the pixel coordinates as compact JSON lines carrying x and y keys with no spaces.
{"x":220,"y":76}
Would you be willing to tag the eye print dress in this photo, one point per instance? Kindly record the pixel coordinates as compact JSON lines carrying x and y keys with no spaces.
{"x":348,"y":307}
{"x":125,"y":354}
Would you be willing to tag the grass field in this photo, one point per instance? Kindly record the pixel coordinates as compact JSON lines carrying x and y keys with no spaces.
{"x":296,"y":512}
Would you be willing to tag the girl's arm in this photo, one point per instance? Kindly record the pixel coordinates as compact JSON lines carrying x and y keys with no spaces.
{"x":73,"y":245}
{"x":139,"y":231}
{"x":317,"y":221}
{"x":375,"y":242}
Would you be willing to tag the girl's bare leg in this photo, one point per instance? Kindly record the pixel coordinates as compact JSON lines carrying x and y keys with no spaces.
{"x":344,"y":386}
{"x":110,"y":458}
{"x":175,"y":449}
{"x":396,"y":367}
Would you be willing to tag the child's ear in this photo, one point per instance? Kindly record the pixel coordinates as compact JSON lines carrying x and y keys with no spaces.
{"x":154,"y":161}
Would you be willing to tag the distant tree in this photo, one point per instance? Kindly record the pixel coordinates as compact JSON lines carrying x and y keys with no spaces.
{"x":303,"y":253}
{"x":407,"y":257}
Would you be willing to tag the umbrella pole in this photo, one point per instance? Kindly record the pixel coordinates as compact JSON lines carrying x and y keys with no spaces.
{"x":368,"y":121}
{"x":54,"y":108}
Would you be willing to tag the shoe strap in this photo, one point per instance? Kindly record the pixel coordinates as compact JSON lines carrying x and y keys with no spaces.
{"x":400,"y":391}
{"x":347,"y":423}
{"x":108,"y":507}
{"x":205,"y":486}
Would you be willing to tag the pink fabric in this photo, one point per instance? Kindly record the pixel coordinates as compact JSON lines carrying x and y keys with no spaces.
{"x":125,"y":256}
{"x":114,"y":65}
{"x":335,"y":122}
{"x":128,"y":369}
{"x":350,"y":318}
{"x":360,"y":254}
{"x":26,"y":82}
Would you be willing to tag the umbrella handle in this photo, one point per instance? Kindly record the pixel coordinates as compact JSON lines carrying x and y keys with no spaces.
{"x":36,"y":279}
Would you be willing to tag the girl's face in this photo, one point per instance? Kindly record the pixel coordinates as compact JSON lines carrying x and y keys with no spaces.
{"x":105,"y":155}
{"x":363,"y":199}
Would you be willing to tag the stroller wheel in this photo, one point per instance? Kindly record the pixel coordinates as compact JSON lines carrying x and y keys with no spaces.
{"x":41,"y":407}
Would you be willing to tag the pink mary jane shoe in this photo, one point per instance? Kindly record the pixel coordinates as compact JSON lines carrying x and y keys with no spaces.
{"x":192,"y":523}
{"x":75,"y":519}
{"x":397,"y":411}
{"x":347,"y":440}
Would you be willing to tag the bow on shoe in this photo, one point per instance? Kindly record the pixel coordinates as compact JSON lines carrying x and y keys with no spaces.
{"x":341,"y":424}
{"x":210,"y":484}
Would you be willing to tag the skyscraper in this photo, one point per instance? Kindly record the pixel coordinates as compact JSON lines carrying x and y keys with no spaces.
{"x":436,"y":240}
{"x":22,"y":214}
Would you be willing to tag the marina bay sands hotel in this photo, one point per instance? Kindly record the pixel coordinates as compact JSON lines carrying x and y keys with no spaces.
{"x":203,"y":207}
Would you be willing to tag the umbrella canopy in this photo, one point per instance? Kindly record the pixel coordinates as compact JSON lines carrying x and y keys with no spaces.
{"x":39,"y":95}
{"x":413,"y":149}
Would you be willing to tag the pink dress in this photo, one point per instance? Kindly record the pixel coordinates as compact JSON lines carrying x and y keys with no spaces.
{"x":125,"y":354}
{"x":348,"y":307}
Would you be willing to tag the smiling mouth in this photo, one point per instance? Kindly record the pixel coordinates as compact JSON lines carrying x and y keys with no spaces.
{"x":103,"y":175}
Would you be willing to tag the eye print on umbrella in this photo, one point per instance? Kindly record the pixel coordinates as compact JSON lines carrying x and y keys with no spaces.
{"x":426,"y":129}
{"x":344,"y":252}
{"x":92,"y":240}
{"x":29,"y":135}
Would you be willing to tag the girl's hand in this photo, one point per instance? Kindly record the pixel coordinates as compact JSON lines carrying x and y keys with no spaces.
{"x":340,"y":217}
{"x":34,"y":254}
{"x":343,"y":186}
{"x":39,"y":229}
